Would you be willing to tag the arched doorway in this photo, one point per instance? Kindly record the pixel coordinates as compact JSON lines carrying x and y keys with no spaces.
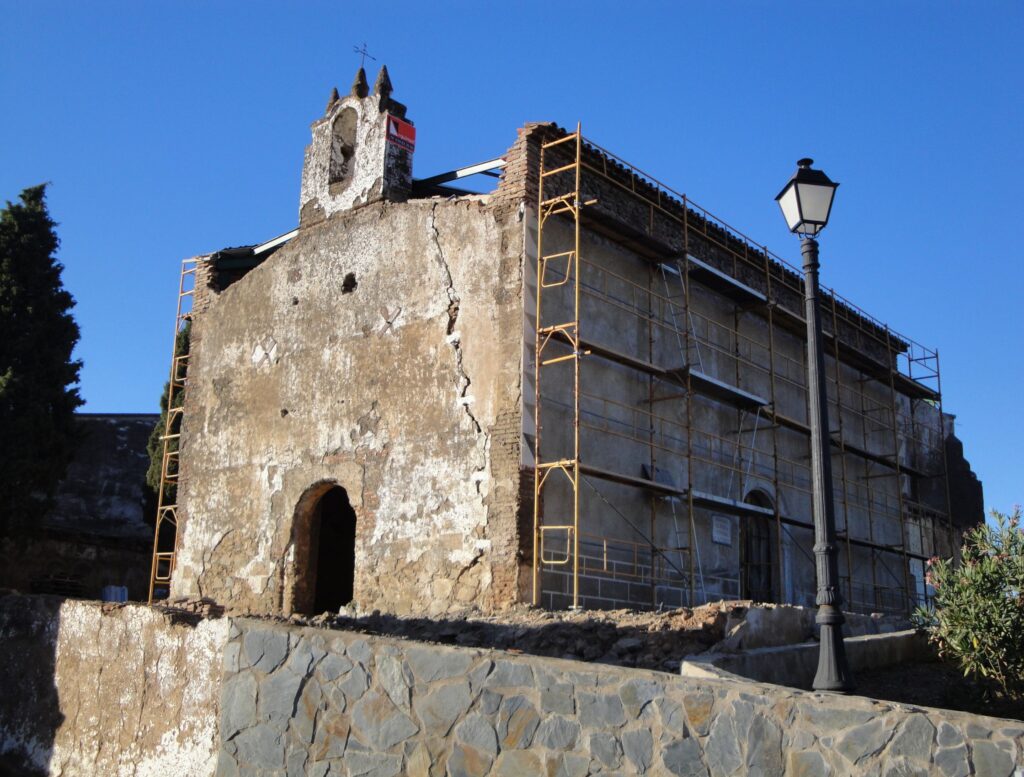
{"x":757,"y":574}
{"x":325,"y":551}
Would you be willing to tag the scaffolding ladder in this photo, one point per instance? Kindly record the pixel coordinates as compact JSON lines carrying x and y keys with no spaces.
{"x":165,"y":535}
{"x":565,"y":332}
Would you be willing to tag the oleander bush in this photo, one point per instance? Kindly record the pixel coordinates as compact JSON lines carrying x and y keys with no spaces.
{"x":977,"y":614}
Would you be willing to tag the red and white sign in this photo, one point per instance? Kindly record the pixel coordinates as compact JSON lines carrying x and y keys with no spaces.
{"x":401,"y":133}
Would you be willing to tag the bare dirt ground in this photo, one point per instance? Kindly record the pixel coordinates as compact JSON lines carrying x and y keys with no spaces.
{"x":649,"y":640}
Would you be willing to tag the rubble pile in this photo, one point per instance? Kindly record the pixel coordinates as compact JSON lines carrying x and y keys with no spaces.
{"x":649,"y":640}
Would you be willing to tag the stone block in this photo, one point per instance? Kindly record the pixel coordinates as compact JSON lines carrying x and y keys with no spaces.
{"x":355,"y":684}
{"x":331,"y":737}
{"x":489,"y":702}
{"x":828,"y":717}
{"x":683,"y":759}
{"x":517,"y":763}
{"x":237,"y":705}
{"x":372,"y":765}
{"x":467,"y":762}
{"x":806,"y":763}
{"x":639,"y":749}
{"x":295,"y":762}
{"x":952,"y":761}
{"x":378,"y":722}
{"x":990,"y":761}
{"x":558,"y":733}
{"x":479,"y":673}
{"x":332,"y":667}
{"x":431,"y":664}
{"x":567,"y":765}
{"x":722,"y":747}
{"x":673,"y":719}
{"x":914,"y":739}
{"x":600,"y":710}
{"x":606,"y":749}
{"x":264,"y":649}
{"x":395,"y":678}
{"x":699,"y":706}
{"x":764,"y":747}
{"x":226,"y":765}
{"x":306,"y":710}
{"x":477,"y":732}
{"x":510,"y":674}
{"x":261,"y":747}
{"x":278,"y":695}
{"x":901,"y":767}
{"x":439,"y":708}
{"x":860,"y":742}
{"x":304,"y":656}
{"x":558,"y":698}
{"x":359,"y":650}
{"x":638,"y":693}
{"x":232,"y":657}
{"x":517,"y":722}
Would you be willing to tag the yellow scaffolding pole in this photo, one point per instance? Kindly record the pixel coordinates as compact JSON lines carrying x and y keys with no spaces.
{"x":564,"y":332}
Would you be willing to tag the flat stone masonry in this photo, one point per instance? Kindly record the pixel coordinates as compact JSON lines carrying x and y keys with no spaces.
{"x":133,"y":691}
{"x":313,"y":702}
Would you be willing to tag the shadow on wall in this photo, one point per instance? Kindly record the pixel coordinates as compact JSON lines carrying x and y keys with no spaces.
{"x":29,"y":703}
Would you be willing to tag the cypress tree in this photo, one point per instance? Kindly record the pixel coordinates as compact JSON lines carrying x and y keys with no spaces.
{"x":38,"y":377}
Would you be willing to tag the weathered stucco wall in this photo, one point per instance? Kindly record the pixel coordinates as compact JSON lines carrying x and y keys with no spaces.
{"x":351,"y":160}
{"x":379,"y":350}
{"x":91,"y":689}
{"x":317,"y":702}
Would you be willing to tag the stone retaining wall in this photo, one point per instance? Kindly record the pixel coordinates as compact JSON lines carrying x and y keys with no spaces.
{"x":307,"y":701}
{"x":89,"y":689}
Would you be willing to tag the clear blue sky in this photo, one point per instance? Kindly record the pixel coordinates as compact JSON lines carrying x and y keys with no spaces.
{"x":173,"y":129}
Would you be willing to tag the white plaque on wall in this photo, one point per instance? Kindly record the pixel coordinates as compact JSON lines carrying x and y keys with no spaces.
{"x":721,"y":530}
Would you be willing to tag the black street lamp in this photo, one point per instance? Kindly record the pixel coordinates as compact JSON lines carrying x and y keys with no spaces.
{"x":806,"y":202}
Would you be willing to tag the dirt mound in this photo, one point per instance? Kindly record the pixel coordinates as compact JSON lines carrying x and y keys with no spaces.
{"x":650,"y":640}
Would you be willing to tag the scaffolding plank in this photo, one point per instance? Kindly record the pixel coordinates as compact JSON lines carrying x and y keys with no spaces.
{"x":614,"y":355}
{"x":630,"y":480}
{"x":722,"y":282}
{"x":719,"y":389}
{"x":705,"y":499}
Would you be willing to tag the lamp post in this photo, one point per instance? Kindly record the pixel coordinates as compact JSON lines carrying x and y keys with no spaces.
{"x":806,"y":202}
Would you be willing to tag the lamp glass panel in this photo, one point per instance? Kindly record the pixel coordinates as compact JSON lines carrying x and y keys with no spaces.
{"x":815,"y":201}
{"x":790,"y":208}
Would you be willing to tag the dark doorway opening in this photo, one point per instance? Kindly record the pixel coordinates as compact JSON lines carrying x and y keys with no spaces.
{"x":333,"y":546}
{"x":756,"y":552}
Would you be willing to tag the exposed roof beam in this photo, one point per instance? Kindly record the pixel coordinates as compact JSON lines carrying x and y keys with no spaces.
{"x":463,"y":172}
{"x":274,"y":243}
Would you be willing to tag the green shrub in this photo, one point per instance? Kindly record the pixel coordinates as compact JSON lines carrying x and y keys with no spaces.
{"x":977,"y":617}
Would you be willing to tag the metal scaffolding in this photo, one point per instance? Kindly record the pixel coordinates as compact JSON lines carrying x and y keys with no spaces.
{"x":165,"y":537}
{"x":694,"y":364}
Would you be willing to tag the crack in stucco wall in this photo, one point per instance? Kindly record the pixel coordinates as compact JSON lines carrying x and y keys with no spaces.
{"x":454,"y":339}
